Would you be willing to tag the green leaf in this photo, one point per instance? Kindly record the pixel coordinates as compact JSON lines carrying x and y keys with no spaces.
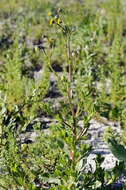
{"x":117,"y":149}
{"x":54,"y":180}
{"x":60,"y":143}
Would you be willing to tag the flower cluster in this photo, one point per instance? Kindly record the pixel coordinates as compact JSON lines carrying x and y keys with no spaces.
{"x":55,"y":18}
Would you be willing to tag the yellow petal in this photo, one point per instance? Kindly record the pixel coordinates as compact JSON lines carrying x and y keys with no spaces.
{"x":49,"y":13}
{"x":52,"y":21}
{"x":58,"y":21}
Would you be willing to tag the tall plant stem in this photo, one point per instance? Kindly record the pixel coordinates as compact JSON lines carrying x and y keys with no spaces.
{"x":70,"y":99}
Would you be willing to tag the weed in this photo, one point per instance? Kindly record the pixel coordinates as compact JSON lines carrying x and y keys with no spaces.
{"x":82,"y":45}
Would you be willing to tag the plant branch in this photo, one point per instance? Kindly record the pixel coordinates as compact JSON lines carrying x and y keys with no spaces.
{"x":65,"y":122}
{"x":83,"y":132}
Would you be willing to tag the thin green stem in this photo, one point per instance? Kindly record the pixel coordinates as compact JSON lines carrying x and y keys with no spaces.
{"x":82,"y":133}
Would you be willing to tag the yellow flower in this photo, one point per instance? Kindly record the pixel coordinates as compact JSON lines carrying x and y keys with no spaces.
{"x":58,"y":21}
{"x":52,"y":21}
{"x":49,"y":13}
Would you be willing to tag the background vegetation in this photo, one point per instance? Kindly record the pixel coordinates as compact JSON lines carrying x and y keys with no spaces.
{"x":82,"y":44}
